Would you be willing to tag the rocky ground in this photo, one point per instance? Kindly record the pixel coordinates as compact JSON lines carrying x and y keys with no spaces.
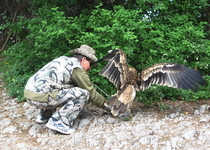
{"x":181,"y":125}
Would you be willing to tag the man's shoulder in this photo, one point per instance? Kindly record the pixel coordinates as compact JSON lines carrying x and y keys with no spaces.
{"x":65,"y":58}
{"x":79,"y":71}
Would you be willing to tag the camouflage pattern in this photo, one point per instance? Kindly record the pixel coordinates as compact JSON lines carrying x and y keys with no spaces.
{"x":54,"y":75}
{"x":71,"y":102}
{"x":86,"y":51}
{"x":57,"y":75}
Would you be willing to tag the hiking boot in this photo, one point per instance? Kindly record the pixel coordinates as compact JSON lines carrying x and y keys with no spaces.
{"x":41,"y":119}
{"x":59,"y":126}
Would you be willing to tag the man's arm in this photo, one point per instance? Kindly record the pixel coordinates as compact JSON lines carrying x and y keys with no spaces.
{"x":82,"y":80}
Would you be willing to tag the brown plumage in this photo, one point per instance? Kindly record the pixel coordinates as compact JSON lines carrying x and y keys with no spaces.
{"x":128,"y":81}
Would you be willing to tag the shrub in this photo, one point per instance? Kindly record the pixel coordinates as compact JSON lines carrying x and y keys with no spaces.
{"x":146,"y":41}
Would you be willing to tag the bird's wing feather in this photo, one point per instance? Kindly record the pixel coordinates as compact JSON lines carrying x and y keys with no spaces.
{"x":116,"y":70}
{"x":171,"y":75}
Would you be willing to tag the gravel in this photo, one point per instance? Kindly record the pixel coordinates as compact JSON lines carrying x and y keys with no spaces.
{"x":183,"y":126}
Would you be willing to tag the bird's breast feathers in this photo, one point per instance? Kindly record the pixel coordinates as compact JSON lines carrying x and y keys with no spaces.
{"x":128,"y":95}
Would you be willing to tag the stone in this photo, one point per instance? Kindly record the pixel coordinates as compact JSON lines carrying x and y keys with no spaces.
{"x":173,"y":142}
{"x":203,"y":120}
{"x":101,"y":120}
{"x":172,"y":116}
{"x":196,"y":112}
{"x":5,"y":122}
{"x":188,"y":135}
{"x":111,"y":120}
{"x":202,"y":109}
{"x":34,"y":129}
{"x":26,"y":105}
{"x":9,"y":129}
{"x":83,"y":123}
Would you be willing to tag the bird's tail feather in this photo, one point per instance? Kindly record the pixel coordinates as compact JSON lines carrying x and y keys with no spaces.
{"x":116,"y":106}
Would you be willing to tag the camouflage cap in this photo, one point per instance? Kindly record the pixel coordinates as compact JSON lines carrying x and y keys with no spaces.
{"x":85,"y":50}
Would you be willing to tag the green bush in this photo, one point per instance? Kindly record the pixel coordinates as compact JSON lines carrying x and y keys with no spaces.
{"x":46,"y":40}
{"x":146,"y":40}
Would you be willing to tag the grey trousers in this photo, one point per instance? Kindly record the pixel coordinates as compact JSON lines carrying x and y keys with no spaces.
{"x":70,"y":100}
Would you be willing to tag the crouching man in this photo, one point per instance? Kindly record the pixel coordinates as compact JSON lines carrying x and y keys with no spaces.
{"x":64,"y":83}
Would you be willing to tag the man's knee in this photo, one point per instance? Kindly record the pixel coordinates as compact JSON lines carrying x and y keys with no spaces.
{"x":74,"y":93}
{"x":82,"y":93}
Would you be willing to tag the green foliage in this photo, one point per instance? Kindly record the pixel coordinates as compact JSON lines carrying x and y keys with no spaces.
{"x":45,"y":42}
{"x":116,"y":29}
{"x":163,"y":107}
{"x":157,"y":93}
{"x":148,"y":35}
{"x":152,"y":95}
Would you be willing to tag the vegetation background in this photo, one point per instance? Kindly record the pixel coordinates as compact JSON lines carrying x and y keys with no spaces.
{"x":33,"y":32}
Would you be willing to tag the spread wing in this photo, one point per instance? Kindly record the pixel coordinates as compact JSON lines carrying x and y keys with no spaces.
{"x":116,"y":70}
{"x":171,"y":75}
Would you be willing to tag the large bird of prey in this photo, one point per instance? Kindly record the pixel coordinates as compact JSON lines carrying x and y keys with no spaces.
{"x":128,"y":81}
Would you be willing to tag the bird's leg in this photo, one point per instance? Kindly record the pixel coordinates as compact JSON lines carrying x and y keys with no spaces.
{"x":125,"y":116}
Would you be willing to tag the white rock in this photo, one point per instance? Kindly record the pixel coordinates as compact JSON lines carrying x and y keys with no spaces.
{"x":34,"y":129}
{"x":172,"y":116}
{"x":83,"y":123}
{"x":111,"y":120}
{"x":26,"y":105}
{"x":202,"y":109}
{"x":203,"y":120}
{"x":10,"y":108}
{"x":188,"y":135}
{"x":22,"y":146}
{"x":5,"y":122}
{"x":92,"y":142}
{"x":173,"y":141}
{"x":9,"y":129}
{"x":143,"y":140}
{"x":196,"y":112}
{"x":101,"y":120}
